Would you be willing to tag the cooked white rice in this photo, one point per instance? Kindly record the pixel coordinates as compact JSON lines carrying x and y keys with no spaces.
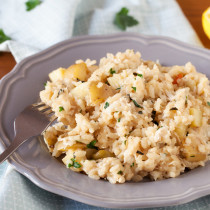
{"x":129,"y":118}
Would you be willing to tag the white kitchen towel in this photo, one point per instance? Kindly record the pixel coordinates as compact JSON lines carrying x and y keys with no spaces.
{"x":53,"y":21}
{"x":57,"y":20}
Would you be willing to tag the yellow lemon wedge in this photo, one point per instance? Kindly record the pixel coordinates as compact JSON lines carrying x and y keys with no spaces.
{"x":206,"y":22}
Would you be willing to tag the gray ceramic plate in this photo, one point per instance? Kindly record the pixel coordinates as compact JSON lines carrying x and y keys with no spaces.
{"x":21,"y":87}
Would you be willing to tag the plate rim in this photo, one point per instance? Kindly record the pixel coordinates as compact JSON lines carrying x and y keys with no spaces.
{"x":25,"y":63}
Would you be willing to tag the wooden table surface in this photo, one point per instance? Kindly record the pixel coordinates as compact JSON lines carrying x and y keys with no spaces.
{"x":192,"y":9}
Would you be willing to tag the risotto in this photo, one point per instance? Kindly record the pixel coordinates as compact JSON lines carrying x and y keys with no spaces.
{"x":127,"y":118}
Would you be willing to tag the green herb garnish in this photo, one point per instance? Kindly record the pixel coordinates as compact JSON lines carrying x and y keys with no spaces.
{"x":45,"y":84}
{"x":208,"y":103}
{"x":136,"y":104}
{"x":132,"y":165}
{"x":31,"y":4}
{"x":106,"y":105}
{"x":125,"y":142}
{"x":120,"y":172}
{"x":136,"y":74}
{"x":61,"y":108}
{"x":186,"y":100}
{"x":112,"y":71}
{"x":118,"y":88}
{"x":118,"y":119}
{"x":123,"y":20}
{"x":3,"y":36}
{"x":192,"y":155}
{"x":91,"y":145}
{"x":134,"y":88}
{"x":74,"y":164}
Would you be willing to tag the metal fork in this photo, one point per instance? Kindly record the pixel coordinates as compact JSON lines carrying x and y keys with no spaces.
{"x":32,"y":121}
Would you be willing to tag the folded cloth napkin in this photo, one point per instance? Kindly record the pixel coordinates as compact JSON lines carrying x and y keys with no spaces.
{"x":54,"y":21}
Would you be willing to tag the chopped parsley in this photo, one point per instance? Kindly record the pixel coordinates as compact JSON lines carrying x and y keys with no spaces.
{"x":31,"y":4}
{"x":140,"y":112}
{"x":123,"y":20}
{"x":139,"y":152}
{"x":132,"y":165}
{"x":74,"y":164}
{"x":136,"y":104}
{"x":61,"y":108}
{"x":134,"y":88}
{"x":118,"y":88}
{"x":208,"y":103}
{"x":120,"y":172}
{"x":186,"y":100}
{"x":112,"y":71}
{"x":118,"y":119}
{"x":3,"y":36}
{"x":173,"y":108}
{"x":91,"y":145}
{"x":45,"y":84}
{"x":125,"y":142}
{"x":192,"y":155}
{"x":140,"y":75}
{"x":106,"y":105}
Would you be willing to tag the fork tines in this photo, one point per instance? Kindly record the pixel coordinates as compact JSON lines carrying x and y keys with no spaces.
{"x":45,"y":109}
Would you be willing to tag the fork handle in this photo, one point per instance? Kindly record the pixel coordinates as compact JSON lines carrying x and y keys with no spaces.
{"x":12,"y":147}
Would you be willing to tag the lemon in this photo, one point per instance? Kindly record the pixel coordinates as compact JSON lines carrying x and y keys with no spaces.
{"x":206,"y":22}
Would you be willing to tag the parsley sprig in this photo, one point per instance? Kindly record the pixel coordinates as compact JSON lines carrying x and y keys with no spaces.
{"x":31,"y":4}
{"x":120,"y":172}
{"x":106,"y":105}
{"x":3,"y":36}
{"x":123,"y":20}
{"x":134,"y":88}
{"x":91,"y":145}
{"x":61,"y":108}
{"x":112,"y":71}
{"x":74,"y":164}
{"x":136,"y":104}
{"x":139,"y":75}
